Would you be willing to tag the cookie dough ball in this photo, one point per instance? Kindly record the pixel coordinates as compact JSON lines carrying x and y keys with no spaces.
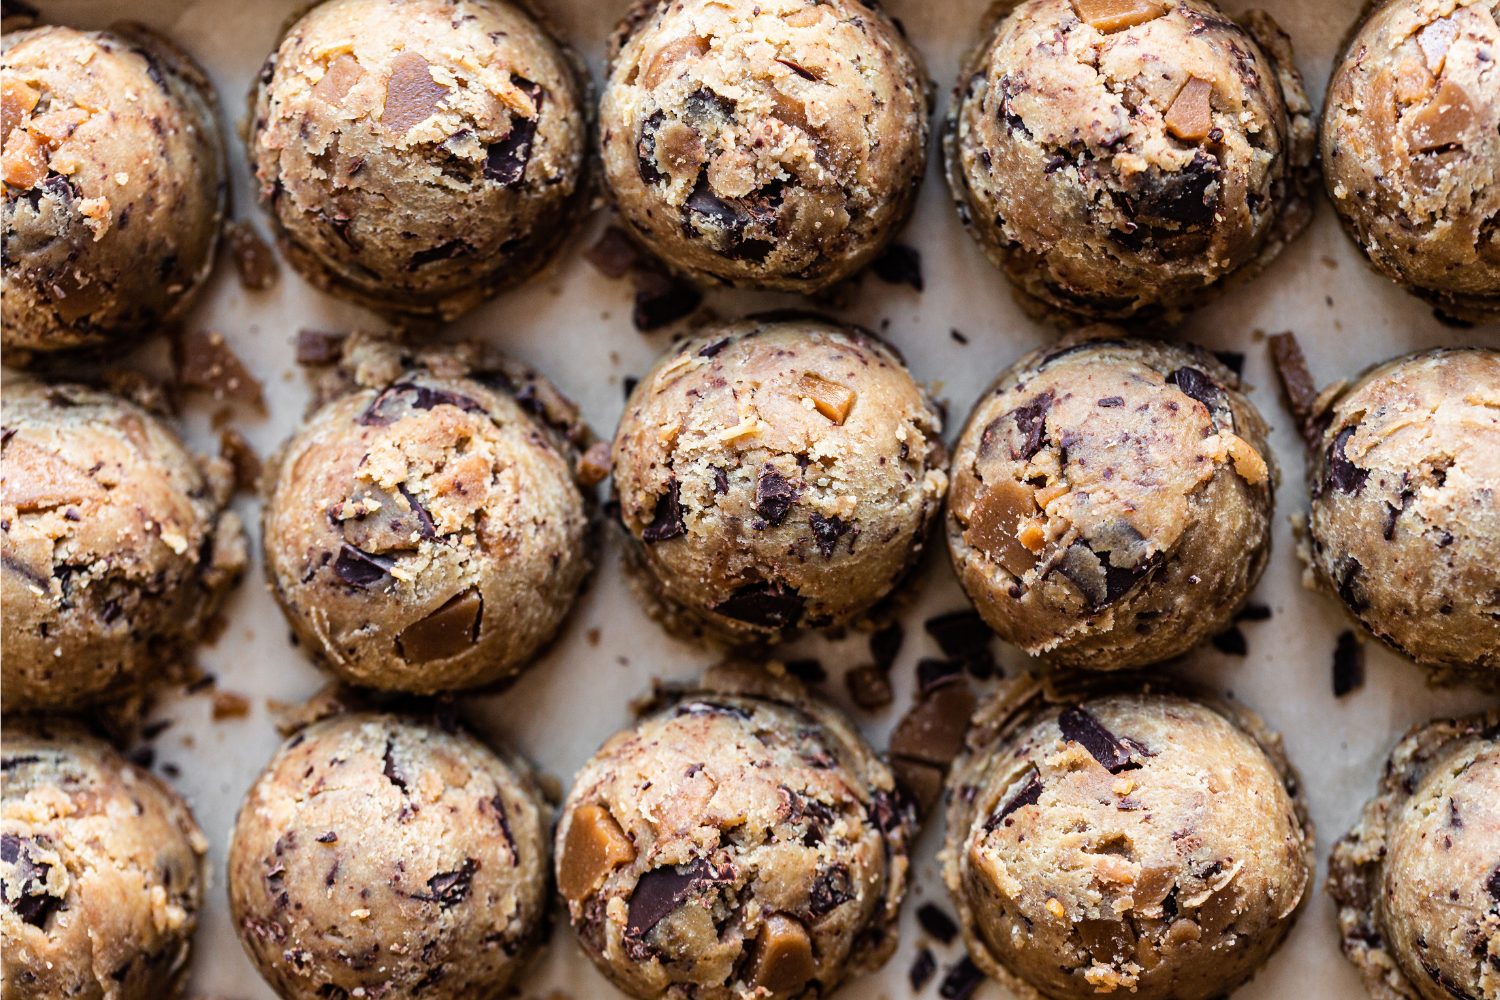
{"x":1404,"y":527}
{"x":114,"y":186}
{"x":778,"y":474}
{"x":743,"y":842}
{"x":1130,"y":160}
{"x":425,"y":532}
{"x":117,"y":547}
{"x":764,"y":143}
{"x":1131,"y":841}
{"x":1418,"y":878}
{"x":1411,"y":136}
{"x":1111,"y":501}
{"x":377,"y":855}
{"x":419,"y":156}
{"x":101,"y":867}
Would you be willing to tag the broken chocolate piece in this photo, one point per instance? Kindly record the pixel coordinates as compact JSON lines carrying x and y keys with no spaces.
{"x":448,"y":631}
{"x":660,"y":300}
{"x":933,"y":731}
{"x":923,"y":782}
{"x":1348,"y":665}
{"x":774,"y":495}
{"x":411,"y":94}
{"x":1028,"y":795}
{"x":35,"y":904}
{"x":1492,"y":885}
{"x":362,"y":569}
{"x":769,"y":605}
{"x":886,"y":644}
{"x":667,"y":519}
{"x":933,"y":673}
{"x":995,"y":523}
{"x":1233,"y":360}
{"x":1101,"y":582}
{"x":594,"y":847}
{"x":713,"y":348}
{"x":923,"y":967}
{"x":253,"y":260}
{"x":1031,"y":420}
{"x":899,"y":265}
{"x":1232,"y":642}
{"x":831,"y":889}
{"x":1190,"y":118}
{"x":808,"y":671}
{"x":1296,"y":380}
{"x":506,"y":160}
{"x":960,"y":634}
{"x":613,"y":254}
{"x":1196,"y":385}
{"x":394,"y":400}
{"x":237,"y":451}
{"x":319,"y":347}
{"x":829,"y":398}
{"x":827,"y":532}
{"x":936,"y":923}
{"x":961,"y":981}
{"x":1112,"y":753}
{"x":709,"y":207}
{"x":869,"y":687}
{"x":448,"y":889}
{"x":1189,"y":195}
{"x":1344,"y":475}
{"x":782,"y":961}
{"x":205,"y":361}
{"x":661,"y":890}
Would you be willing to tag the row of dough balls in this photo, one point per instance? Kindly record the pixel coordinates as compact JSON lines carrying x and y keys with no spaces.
{"x":743,"y":842}
{"x":1109,"y":506}
{"x":1119,"y":159}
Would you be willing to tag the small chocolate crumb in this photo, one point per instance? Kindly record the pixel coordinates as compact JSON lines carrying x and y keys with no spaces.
{"x":899,"y":265}
{"x":327,"y":838}
{"x":205,"y":361}
{"x":869,"y":687}
{"x":923,"y":967}
{"x":809,"y":671}
{"x":956,"y":335}
{"x":1348,"y":665}
{"x":1253,"y":613}
{"x":253,"y":259}
{"x":827,"y":532}
{"x":961,"y":981}
{"x":319,"y":347}
{"x":1109,"y":401}
{"x":936,"y":923}
{"x":237,"y":451}
{"x":1231,"y":642}
{"x":885,"y":645}
{"x":614,"y":253}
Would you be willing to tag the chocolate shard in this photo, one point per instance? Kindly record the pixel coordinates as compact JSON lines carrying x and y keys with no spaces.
{"x":708,"y":207}
{"x":35,"y":904}
{"x":831,"y":888}
{"x":808,"y":671}
{"x":932,"y":673}
{"x":319,"y":347}
{"x":1113,"y":753}
{"x":660,"y":300}
{"x":769,"y":605}
{"x":1232,"y":642}
{"x":667,"y":521}
{"x":506,"y":160}
{"x":869,"y":687}
{"x":885,"y":645}
{"x":1028,"y":795}
{"x":448,"y":889}
{"x":1196,"y":385}
{"x":497,"y":803}
{"x":362,"y":569}
{"x":662,"y":890}
{"x":826,"y":532}
{"x":443,"y":251}
{"x":960,"y":634}
{"x":645,"y":151}
{"x":774,"y":495}
{"x":961,"y":981}
{"x":1179,"y":196}
{"x":1101,"y":582}
{"x":936,"y":923}
{"x":1348,"y":665}
{"x":1031,"y":420}
{"x":923,"y":967}
{"x":450,"y":630}
{"x":1492,"y":885}
{"x":714,"y":347}
{"x":899,"y":265}
{"x":1296,"y":380}
{"x":1344,"y":475}
{"x":1233,"y":360}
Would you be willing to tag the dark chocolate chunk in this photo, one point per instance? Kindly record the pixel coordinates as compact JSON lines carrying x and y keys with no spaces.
{"x":629,"y":383}
{"x":425,"y":527}
{"x":1231,"y":642}
{"x":394,"y":400}
{"x":1253,"y":613}
{"x":936,"y":923}
{"x":721,"y":481}
{"x":899,"y":265}
{"x":774,"y":495}
{"x":1492,"y":885}
{"x":1113,"y":753}
{"x":831,"y":889}
{"x":506,"y":160}
{"x":923,"y":967}
{"x":1196,"y":385}
{"x":645,"y":150}
{"x":827,"y":532}
{"x":1027,"y":796}
{"x":1101,"y":582}
{"x":808,"y":671}
{"x":142,"y":757}
{"x":35,"y":904}
{"x":19,"y":760}
{"x":1031,"y":420}
{"x":1344,"y":475}
{"x":752,"y":250}
{"x":1179,"y":196}
{"x":662,"y":890}
{"x":329,"y":837}
{"x":713,"y":708}
{"x":1233,"y":360}
{"x":869,"y":687}
{"x":448,"y":889}
{"x":1348,"y":665}
{"x":443,"y":251}
{"x":958,"y":336}
{"x":1087,"y":345}
{"x":1109,"y":401}
{"x":770,"y":605}
{"x":961,"y":981}
{"x":710,"y":349}
{"x":667,"y":521}
{"x":962,"y":635}
{"x":1392,"y":515}
{"x":362,"y":569}
{"x":319,"y":347}
{"x":1348,"y":578}
{"x":886,"y":644}
{"x":709,"y":207}
{"x":613,"y":254}
{"x":1296,"y":380}
{"x":660,"y":299}
{"x":935,"y":673}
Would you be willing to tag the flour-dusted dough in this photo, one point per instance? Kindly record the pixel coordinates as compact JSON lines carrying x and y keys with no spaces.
{"x":1128,"y":161}
{"x":1111,"y":502}
{"x":764,"y":143}
{"x":419,"y":156}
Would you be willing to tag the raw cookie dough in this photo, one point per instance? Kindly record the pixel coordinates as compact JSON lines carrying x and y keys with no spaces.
{"x":778,"y":473}
{"x":1411,"y":140}
{"x":419,"y":156}
{"x":1418,"y":878}
{"x":101,"y":870}
{"x":1404,"y":526}
{"x":424,"y":531}
{"x":743,"y":842}
{"x":1111,"y":501}
{"x":764,"y":143}
{"x":116,"y":549}
{"x":1130,"y":160}
{"x":1128,"y":841}
{"x":114,"y":186}
{"x":378,"y":855}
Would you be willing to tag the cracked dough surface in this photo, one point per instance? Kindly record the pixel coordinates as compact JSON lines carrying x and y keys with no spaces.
{"x":1063,"y":159}
{"x":117,"y":549}
{"x":1404,"y":526}
{"x":764,"y":143}
{"x":114,"y":186}
{"x":419,"y":156}
{"x":101,"y":870}
{"x":756,"y":509}
{"x":1130,"y":842}
{"x":378,"y":853}
{"x":1418,"y":878}
{"x":1111,"y":502}
{"x":747,"y":801}
{"x":424,"y":532}
{"x":1411,"y":139}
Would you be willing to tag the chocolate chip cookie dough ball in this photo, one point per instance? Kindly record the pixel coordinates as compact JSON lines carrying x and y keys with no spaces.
{"x":1111,"y":501}
{"x":764,"y":143}
{"x":743,"y":842}
{"x":1404,"y":528}
{"x":1130,"y":159}
{"x":424,"y":532}
{"x":419,"y":156}
{"x":114,"y":186}
{"x":778,"y":474}
{"x":101,"y":866}
{"x":1418,"y":878}
{"x":1132,"y":841}
{"x":1411,"y":137}
{"x":377,"y":855}
{"x":117,"y":548}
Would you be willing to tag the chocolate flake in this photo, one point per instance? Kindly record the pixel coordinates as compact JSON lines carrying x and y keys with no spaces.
{"x":661,"y":890}
{"x":1348,"y":665}
{"x":362,"y":569}
{"x":899,"y":265}
{"x":923,"y":967}
{"x":1231,"y":642}
{"x":1113,"y":753}
{"x":769,"y":605}
{"x":961,"y":981}
{"x":774,"y":495}
{"x":1031,"y":419}
{"x":667,"y":521}
{"x":1345,"y":476}
{"x":1492,"y":885}
{"x":1109,"y":401}
{"x":498,"y":804}
{"x":1028,"y":795}
{"x":448,"y":889}
{"x":710,"y":349}
{"x":936,"y":923}
{"x":441,"y":252}
{"x":827,"y":532}
{"x":964,"y":636}
{"x":390,"y":769}
{"x":506,"y":160}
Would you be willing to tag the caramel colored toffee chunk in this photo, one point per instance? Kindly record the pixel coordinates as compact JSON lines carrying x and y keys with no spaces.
{"x":595,"y":847}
